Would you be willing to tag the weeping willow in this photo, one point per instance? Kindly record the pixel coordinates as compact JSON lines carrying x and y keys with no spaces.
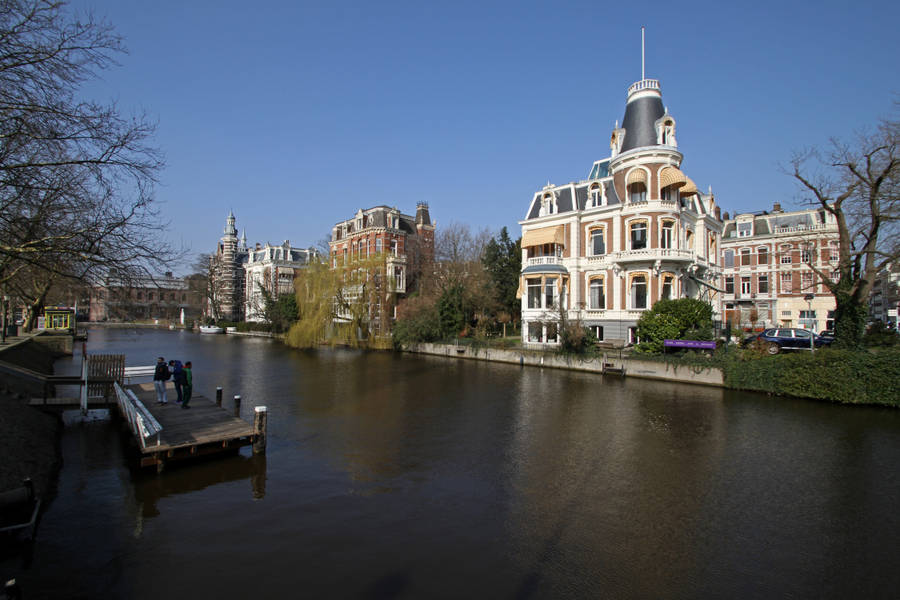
{"x":350,"y":304}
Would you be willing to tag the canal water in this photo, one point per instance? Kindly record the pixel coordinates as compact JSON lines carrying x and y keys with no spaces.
{"x":403,"y":476}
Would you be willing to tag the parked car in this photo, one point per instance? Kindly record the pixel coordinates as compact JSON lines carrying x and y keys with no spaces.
{"x":787,"y":338}
{"x":827,"y":334}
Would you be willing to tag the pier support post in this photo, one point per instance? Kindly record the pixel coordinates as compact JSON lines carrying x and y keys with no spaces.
{"x":219,"y":396}
{"x":237,"y":406}
{"x":260,"y":421}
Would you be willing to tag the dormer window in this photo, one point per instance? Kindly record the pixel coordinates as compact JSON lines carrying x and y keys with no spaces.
{"x":548,"y":205}
{"x":595,"y":196}
{"x":745,"y":229}
{"x":665,"y":131}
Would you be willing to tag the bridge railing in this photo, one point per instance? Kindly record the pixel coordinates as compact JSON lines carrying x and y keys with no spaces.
{"x":141,"y":422}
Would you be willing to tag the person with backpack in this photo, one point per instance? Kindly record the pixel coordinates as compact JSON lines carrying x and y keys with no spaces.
{"x":177,"y":371}
{"x":160,"y":376}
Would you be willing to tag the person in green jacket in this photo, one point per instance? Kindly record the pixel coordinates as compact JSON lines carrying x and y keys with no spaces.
{"x":188,"y":385}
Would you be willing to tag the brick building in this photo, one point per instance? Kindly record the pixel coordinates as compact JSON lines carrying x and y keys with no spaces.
{"x":767,"y":278}
{"x":405,"y":242}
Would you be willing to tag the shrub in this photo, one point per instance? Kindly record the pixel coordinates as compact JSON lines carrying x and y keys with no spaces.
{"x":682,"y":319}
{"x":838,"y":375}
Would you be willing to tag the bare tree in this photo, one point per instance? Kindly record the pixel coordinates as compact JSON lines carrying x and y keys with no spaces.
{"x":76,"y":177}
{"x":857,"y":184}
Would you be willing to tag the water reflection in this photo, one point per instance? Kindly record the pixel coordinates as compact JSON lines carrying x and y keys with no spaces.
{"x":149,"y":488}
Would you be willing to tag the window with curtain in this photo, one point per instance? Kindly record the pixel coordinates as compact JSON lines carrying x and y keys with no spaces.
{"x":598,"y":298}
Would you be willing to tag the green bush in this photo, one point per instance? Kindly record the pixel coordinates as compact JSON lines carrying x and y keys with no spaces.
{"x":682,"y":319}
{"x":837,"y":375}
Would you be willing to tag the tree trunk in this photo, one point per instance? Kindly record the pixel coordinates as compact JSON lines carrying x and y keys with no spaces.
{"x":849,"y":321}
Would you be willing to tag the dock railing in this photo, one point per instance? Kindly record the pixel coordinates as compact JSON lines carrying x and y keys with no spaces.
{"x":142,"y":424}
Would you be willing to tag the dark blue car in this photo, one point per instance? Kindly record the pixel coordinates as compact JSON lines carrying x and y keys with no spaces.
{"x":789,"y":338}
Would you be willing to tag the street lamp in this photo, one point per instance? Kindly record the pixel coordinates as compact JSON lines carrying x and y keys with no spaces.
{"x":809,"y":298}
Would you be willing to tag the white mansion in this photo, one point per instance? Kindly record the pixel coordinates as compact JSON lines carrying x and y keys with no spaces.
{"x":604,"y":249}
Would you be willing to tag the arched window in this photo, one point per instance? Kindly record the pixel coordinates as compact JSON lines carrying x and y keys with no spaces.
{"x":667,"y":235}
{"x":762,"y":255}
{"x":636,"y":183}
{"x":378,"y":247}
{"x":745,"y":257}
{"x":639,"y":291}
{"x":638,"y":235}
{"x":637,"y":192}
{"x":598,"y":298}
{"x":667,"y":291}
{"x":598,"y":241}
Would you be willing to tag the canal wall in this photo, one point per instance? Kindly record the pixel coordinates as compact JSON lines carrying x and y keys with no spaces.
{"x":609,"y":363}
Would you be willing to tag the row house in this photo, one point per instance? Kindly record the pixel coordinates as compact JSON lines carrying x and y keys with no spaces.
{"x":404,"y":242}
{"x":884,"y":299}
{"x":603,"y":250}
{"x":768,"y":261}
{"x":271,"y":270}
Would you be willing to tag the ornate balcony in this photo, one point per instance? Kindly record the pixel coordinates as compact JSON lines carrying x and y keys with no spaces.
{"x":653,"y":254}
{"x":543,"y":260}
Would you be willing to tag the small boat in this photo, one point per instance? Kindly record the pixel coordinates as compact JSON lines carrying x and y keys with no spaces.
{"x":211,"y":329}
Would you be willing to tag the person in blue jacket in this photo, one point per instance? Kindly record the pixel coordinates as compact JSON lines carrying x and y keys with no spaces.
{"x":177,"y":377}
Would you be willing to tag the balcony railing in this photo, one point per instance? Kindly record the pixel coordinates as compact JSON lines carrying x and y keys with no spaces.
{"x":653,"y":254}
{"x":643,"y":84}
{"x":544,"y":260}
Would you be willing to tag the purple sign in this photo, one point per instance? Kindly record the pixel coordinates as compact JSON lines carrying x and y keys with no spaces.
{"x":689,"y":344}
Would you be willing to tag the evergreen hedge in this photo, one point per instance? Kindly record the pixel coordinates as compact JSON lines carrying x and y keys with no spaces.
{"x":837,"y":375}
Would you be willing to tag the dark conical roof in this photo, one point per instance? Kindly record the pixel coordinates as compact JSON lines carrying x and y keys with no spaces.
{"x":639,"y":123}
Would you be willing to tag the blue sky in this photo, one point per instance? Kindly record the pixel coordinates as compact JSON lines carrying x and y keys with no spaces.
{"x":295,"y":114}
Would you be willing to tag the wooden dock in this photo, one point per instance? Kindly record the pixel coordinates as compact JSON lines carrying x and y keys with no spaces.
{"x":205,"y":428}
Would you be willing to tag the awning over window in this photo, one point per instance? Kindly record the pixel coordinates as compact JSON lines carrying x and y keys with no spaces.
{"x":689,"y":188}
{"x":544,"y":235}
{"x":669,"y":176}
{"x":636,"y":176}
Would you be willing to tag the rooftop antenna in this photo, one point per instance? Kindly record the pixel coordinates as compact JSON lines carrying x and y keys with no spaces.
{"x":642,"y":53}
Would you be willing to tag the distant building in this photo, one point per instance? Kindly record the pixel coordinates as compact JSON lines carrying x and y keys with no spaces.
{"x":405,"y":242}
{"x":603,"y":250}
{"x":271,"y":270}
{"x":160,"y":299}
{"x":226,"y":274}
{"x":768,"y":280}
{"x":238,"y":275}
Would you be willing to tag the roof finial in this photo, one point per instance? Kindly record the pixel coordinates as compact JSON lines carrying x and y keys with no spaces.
{"x":642,"y":53}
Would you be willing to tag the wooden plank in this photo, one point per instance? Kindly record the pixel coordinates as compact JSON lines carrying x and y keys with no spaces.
{"x":202,"y":424}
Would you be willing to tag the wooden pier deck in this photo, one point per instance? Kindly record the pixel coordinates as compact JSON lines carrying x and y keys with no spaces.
{"x":204,"y":428}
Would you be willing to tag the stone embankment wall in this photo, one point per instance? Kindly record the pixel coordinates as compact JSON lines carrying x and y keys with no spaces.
{"x":609,"y":363}
{"x":32,"y":353}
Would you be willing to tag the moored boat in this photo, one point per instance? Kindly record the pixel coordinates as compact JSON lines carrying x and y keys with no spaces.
{"x":211,"y":329}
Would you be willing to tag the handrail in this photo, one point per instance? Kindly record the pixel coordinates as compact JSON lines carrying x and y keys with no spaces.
{"x":141,"y":422}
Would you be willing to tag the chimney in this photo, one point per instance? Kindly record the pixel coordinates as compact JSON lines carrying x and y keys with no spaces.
{"x":777,"y":207}
{"x":718,"y":212}
{"x":422,"y":216}
{"x":725,"y":216}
